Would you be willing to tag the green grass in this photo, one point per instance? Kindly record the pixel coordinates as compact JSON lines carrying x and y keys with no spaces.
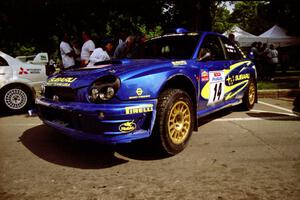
{"x":278,"y":84}
{"x":288,"y":80}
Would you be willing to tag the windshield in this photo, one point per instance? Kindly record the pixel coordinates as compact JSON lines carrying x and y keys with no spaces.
{"x":170,"y":47}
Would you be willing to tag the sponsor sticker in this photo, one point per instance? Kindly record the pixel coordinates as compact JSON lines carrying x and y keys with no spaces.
{"x":34,"y":71}
{"x":230,"y":48}
{"x":61,"y":81}
{"x":217,"y":85}
{"x":204,"y":75}
{"x":140,"y":97}
{"x":216,"y":76}
{"x":138,"y":109}
{"x":127,"y":127}
{"x":139,"y":93}
{"x":234,"y":79}
{"x":23,"y":71}
{"x":181,"y":62}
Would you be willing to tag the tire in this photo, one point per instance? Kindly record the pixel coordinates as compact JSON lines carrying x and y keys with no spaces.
{"x":174,"y":122}
{"x":250,"y":96}
{"x":16,"y":99}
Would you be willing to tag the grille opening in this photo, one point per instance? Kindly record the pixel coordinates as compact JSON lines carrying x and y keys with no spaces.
{"x":64,"y":94}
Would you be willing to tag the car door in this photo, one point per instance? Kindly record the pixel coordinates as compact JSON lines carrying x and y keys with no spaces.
{"x":212,"y":63}
{"x":237,"y":74}
{"x":5,"y":71}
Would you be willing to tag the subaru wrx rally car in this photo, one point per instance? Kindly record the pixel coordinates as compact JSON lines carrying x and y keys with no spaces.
{"x":170,"y":82}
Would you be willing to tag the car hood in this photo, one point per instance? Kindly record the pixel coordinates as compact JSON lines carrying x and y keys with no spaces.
{"x":124,"y":69}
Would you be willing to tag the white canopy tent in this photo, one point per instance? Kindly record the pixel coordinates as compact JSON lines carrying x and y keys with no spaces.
{"x":244,"y":38}
{"x":277,"y":36}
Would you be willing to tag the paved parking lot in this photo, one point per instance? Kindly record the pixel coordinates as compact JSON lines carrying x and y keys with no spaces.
{"x":234,"y":155}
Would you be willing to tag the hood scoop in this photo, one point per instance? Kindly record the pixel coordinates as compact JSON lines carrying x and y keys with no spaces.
{"x":113,"y":62}
{"x":106,"y":63}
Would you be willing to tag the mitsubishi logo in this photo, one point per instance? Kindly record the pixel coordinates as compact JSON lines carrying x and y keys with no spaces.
{"x":22,"y":71}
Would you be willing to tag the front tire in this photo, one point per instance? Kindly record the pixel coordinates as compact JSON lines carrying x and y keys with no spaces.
{"x":174,"y":121}
{"x":16,"y":98}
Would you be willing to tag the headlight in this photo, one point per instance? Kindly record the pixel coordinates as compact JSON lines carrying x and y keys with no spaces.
{"x":104,"y":89}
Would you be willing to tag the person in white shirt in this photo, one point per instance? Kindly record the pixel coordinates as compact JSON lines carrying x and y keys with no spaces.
{"x":87,"y":48}
{"x":101,"y":53}
{"x":67,"y":53}
{"x":272,"y":55}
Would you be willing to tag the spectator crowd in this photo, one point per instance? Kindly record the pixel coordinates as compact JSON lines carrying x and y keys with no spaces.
{"x":92,"y":51}
{"x":266,"y":59}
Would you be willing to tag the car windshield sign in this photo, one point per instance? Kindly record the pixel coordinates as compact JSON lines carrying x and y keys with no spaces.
{"x":168,"y":47}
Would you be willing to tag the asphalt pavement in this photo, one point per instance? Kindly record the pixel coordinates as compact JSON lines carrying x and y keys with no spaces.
{"x":249,"y":155}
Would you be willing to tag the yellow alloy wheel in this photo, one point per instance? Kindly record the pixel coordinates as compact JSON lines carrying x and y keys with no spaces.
{"x":179,"y":122}
{"x":251,"y":93}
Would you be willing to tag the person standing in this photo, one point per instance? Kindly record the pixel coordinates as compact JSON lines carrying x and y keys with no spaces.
{"x":273,"y":61}
{"x":231,"y":37}
{"x":264,"y":61}
{"x":87,"y":48}
{"x":101,"y":53}
{"x":67,"y":53}
{"x":124,"y":50}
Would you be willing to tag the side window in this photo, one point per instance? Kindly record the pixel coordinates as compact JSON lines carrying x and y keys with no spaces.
{"x":3,"y":62}
{"x":211,"y":49}
{"x":232,"y":52}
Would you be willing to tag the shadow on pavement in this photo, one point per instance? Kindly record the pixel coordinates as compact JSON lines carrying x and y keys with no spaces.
{"x":54,"y":147}
{"x":6,"y":114}
{"x":141,"y":150}
{"x":274,"y":116}
{"x":296,"y":104}
{"x":218,"y":114}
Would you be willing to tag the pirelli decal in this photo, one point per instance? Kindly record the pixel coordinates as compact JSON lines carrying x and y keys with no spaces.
{"x":61,"y":81}
{"x":138,"y":109}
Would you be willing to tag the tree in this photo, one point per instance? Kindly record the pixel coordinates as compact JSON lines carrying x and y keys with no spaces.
{"x":192,"y":14}
{"x":251,"y":16}
{"x":220,"y":22}
{"x":286,"y":14}
{"x":38,"y":24}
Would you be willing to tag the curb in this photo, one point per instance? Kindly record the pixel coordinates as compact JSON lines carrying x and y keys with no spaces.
{"x":277,"y":93}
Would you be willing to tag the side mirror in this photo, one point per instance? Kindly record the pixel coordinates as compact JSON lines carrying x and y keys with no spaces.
{"x":206,"y":56}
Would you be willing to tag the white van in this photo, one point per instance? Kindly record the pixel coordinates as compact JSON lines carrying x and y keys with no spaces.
{"x":20,"y":80}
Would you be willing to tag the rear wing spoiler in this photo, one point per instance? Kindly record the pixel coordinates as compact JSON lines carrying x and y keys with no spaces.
{"x":40,"y":58}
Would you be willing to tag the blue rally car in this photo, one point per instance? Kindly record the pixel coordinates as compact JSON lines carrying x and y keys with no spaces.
{"x":160,"y":92}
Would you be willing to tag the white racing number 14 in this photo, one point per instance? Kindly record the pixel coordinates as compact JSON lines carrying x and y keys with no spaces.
{"x":217,"y":82}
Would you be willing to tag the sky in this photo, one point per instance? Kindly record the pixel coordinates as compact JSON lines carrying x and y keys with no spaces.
{"x":229,"y":6}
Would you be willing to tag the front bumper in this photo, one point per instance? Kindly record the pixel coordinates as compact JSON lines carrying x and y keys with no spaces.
{"x":106,"y":123}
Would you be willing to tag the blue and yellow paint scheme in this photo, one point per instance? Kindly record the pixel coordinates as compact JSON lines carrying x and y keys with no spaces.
{"x":130,"y":114}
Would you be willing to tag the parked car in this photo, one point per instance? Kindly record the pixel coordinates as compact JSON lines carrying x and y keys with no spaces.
{"x":20,"y":79}
{"x":159,"y":93}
